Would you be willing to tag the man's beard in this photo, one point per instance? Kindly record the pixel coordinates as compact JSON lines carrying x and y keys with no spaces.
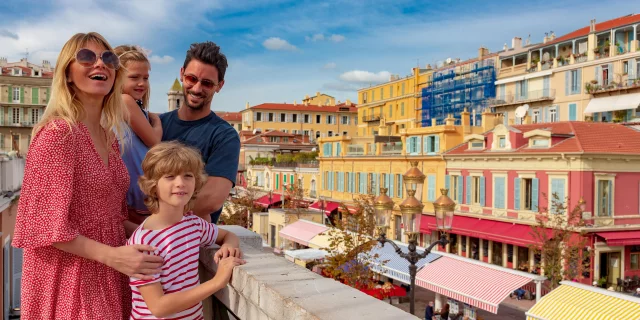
{"x":199,"y":106}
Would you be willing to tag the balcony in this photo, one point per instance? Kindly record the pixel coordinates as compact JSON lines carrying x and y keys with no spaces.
{"x":371,"y":118}
{"x":355,"y":150}
{"x":623,"y":83}
{"x":531,"y":96}
{"x":270,"y":287}
{"x":392,"y":148}
{"x":305,"y":164}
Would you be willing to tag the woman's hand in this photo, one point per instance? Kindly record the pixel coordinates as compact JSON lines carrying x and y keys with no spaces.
{"x":131,"y":261}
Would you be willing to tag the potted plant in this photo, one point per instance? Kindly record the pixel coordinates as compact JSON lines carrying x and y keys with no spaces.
{"x":588,"y":87}
{"x":596,"y":49}
{"x":602,"y":282}
{"x":607,"y":44}
{"x":594,"y":81}
{"x":619,"y":115}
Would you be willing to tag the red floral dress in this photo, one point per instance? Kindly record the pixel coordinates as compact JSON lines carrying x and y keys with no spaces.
{"x":69,"y":191}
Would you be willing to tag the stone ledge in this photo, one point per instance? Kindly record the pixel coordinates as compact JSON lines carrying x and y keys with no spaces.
{"x":270,"y":287}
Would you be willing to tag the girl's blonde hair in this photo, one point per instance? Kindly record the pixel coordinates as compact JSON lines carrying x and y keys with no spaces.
{"x":64,"y":104}
{"x":169,"y":158}
{"x":129,"y":53}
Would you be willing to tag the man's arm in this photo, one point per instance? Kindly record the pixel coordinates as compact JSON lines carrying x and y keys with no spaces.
{"x":212,"y":196}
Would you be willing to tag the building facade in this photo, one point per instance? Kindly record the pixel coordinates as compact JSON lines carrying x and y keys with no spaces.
{"x":233,"y":118}
{"x":25,"y":89}
{"x":175,"y":96}
{"x":315,"y":121}
{"x":589,"y":74}
{"x":505,"y":177}
{"x":387,"y":108}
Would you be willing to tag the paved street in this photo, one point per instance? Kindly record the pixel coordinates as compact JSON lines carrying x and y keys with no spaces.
{"x":510,"y":309}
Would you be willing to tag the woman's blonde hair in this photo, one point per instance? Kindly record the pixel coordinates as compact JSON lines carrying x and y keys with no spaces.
{"x":65,"y":105}
{"x":128,"y":53}
{"x":169,"y":158}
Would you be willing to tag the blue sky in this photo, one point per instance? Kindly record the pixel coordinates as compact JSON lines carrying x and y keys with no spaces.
{"x":280,"y":51}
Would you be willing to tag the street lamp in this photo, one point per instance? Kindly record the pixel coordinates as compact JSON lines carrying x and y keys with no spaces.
{"x":411,"y":209}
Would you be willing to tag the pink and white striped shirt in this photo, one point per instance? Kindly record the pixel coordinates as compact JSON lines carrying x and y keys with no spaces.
{"x":179,"y":246}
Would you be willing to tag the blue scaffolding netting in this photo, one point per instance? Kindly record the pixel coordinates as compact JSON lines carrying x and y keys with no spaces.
{"x":471,"y":86}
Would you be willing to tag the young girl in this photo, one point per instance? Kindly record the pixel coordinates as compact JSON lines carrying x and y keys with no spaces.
{"x":145,"y":129}
{"x":172,"y":177}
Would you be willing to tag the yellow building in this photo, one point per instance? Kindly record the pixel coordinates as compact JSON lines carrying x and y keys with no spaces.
{"x":320,"y":99}
{"x":269,"y":224}
{"x":590,"y":74}
{"x":387,"y":108}
{"x":24,"y":93}
{"x":273,"y":177}
{"x":315,"y":121}
{"x":359,"y":165}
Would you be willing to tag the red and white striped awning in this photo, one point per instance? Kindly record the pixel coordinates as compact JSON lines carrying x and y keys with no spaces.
{"x":475,"y":283}
{"x":302,"y":231}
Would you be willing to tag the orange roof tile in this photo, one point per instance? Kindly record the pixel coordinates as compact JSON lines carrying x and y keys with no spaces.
{"x":582,"y":137}
{"x":302,"y":107}
{"x":606,"y":25}
{"x":229,"y":116}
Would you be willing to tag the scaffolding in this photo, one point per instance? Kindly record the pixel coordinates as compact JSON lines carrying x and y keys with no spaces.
{"x":453,"y":89}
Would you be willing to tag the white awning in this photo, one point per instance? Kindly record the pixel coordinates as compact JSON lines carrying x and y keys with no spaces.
{"x":524,"y":77}
{"x":613,"y":103}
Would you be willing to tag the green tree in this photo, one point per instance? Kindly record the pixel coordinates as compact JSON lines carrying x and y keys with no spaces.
{"x":239,"y":210}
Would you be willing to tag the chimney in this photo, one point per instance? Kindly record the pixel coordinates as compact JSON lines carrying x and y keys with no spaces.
{"x":3,"y":62}
{"x":450,"y":120}
{"x":295,"y":102}
{"x":488,"y":120}
{"x":505,"y":48}
{"x":516,"y":43}
{"x":46,"y":65}
{"x":429,"y":66}
{"x":306,"y":97}
{"x":553,"y":36}
{"x":482,"y":51}
{"x":348,"y":103}
{"x":247,"y":105}
{"x":465,"y":120}
{"x":592,"y":25}
{"x":546,"y":38}
{"x":317,"y":94}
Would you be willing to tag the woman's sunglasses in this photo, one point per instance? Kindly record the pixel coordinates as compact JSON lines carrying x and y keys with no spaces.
{"x":191,"y":80}
{"x":88,"y":58}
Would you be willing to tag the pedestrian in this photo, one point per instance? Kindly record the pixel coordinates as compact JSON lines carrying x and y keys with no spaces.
{"x":519,"y":293}
{"x":172,"y":177}
{"x":428,"y":312}
{"x":444,"y":313}
{"x":72,"y":210}
{"x":194,"y":124}
{"x":637,"y":293}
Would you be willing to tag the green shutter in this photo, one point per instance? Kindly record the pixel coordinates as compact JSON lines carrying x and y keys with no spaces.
{"x":516,"y":193}
{"x":482,"y":198}
{"x":534,"y":194}
{"x":22,"y":94}
{"x":277,"y":181}
{"x":48,"y":93}
{"x":34,"y":95}
{"x":10,"y":94}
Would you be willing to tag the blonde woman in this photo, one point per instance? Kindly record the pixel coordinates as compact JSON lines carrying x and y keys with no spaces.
{"x":72,"y":207}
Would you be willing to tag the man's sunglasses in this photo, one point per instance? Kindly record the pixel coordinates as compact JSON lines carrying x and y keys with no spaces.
{"x":88,"y":58}
{"x":191,"y":80}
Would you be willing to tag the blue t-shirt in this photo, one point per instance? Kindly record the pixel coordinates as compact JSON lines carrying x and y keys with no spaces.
{"x":216,"y":139}
{"x":134,"y":151}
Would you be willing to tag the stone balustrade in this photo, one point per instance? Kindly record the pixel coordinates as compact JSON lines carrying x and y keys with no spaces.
{"x":270,"y":287}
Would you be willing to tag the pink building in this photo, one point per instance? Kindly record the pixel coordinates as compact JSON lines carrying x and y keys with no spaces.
{"x":503,"y":178}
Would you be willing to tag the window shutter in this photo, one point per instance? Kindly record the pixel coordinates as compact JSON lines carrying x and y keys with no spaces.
{"x":534,"y":194}
{"x":525,"y":94}
{"x":418,"y":141}
{"x":338,"y":151}
{"x":516,"y":193}
{"x":545,"y":86}
{"x":610,"y":73}
{"x":23,"y":92}
{"x":34,"y":95}
{"x":409,"y":145}
{"x":436,"y":148}
{"x":572,"y":112}
{"x":277,"y":181}
{"x":482,"y":203}
{"x":632,"y":71}
{"x":598,"y":75}
{"x":545,"y":110}
{"x":468,"y":190}
{"x":391,"y":185}
{"x":460,"y":187}
{"x":499,"y":193}
{"x":447,"y":183}
{"x":579,"y":88}
{"x":567,"y":82}
{"x":432,"y":188}
{"x":10,"y":94}
{"x":426,"y":144}
{"x":255,"y":116}
{"x":518,"y":90}
{"x":400,"y":186}
{"x":353,"y":182}
{"x":610,"y":199}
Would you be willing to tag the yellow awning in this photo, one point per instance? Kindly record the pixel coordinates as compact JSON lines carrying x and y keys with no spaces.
{"x":574,"y":301}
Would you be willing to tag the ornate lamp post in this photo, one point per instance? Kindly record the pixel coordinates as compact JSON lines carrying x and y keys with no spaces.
{"x":411,"y":209}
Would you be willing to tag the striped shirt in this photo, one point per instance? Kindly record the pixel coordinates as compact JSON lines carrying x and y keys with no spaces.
{"x":179,"y":246}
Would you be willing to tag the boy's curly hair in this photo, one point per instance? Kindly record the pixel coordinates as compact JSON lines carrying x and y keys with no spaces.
{"x":170,"y":158}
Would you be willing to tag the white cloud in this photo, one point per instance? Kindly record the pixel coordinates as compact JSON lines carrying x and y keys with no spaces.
{"x":275,"y":43}
{"x":161,"y":59}
{"x":8,"y":34}
{"x":365,"y":76}
{"x":317,"y":37}
{"x":337,"y":38}
{"x":330,"y":65}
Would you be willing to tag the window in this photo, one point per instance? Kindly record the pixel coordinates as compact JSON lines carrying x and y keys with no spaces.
{"x":502,"y":142}
{"x":476,"y":190}
{"x":522,"y":89}
{"x":294,"y":118}
{"x":605,"y":75}
{"x":403,"y":88}
{"x":35,"y":116}
{"x":477,"y":145}
{"x":391,"y":91}
{"x":455,"y":188}
{"x":285,"y":139}
{"x":635,"y":260}
{"x":16,"y":94}
{"x":178,"y":104}
{"x":1,"y":140}
{"x":536,"y":116}
{"x":402,"y":106}
{"x":381,"y":93}
{"x":527,"y":192}
{"x":345,"y":120}
{"x":330,"y":134}
{"x":305,"y":132}
{"x":373,"y":95}
{"x":540,"y":143}
{"x":307,"y":118}
{"x":398,"y":186}
{"x":431,"y":144}
{"x":553,"y":115}
{"x":604,"y":198}
{"x":330,"y":119}
{"x":364,"y":97}
{"x":270,"y":116}
{"x":575,"y":86}
{"x":258,"y":116}
{"x":318,"y":118}
{"x":344,"y":133}
{"x":283,"y":117}
{"x":15,"y":115}
{"x":390,"y":110}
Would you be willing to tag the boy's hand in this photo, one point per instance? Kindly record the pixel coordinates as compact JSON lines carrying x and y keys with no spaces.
{"x":227,"y":251}
{"x":225,"y":268}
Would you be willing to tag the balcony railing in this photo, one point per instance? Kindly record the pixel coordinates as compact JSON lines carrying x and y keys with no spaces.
{"x":306,"y":164}
{"x":545,"y":94}
{"x":11,"y":173}
{"x":355,"y":150}
{"x":392,"y":148}
{"x":371,"y":118}
{"x":626,"y":82}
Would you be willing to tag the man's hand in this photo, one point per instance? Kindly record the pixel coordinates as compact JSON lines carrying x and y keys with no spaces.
{"x":227,"y":251}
